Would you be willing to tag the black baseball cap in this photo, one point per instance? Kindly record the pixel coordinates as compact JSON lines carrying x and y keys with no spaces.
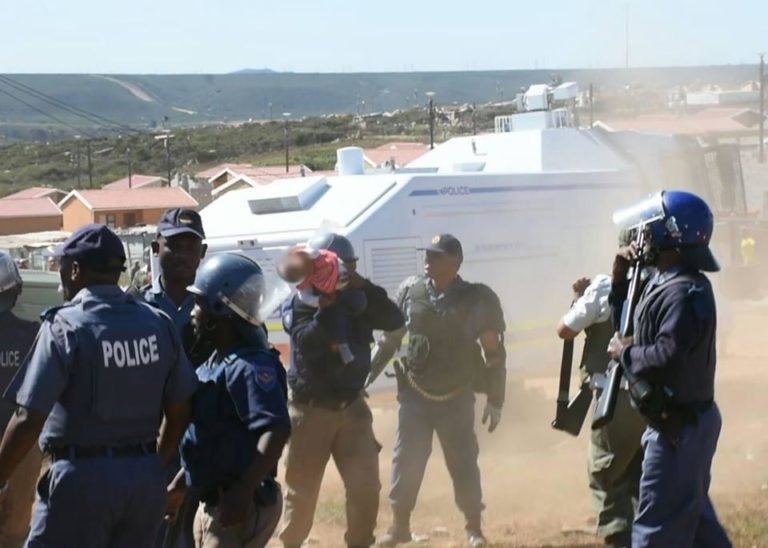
{"x":180,"y":220}
{"x":446,"y":243}
{"x":95,"y":247}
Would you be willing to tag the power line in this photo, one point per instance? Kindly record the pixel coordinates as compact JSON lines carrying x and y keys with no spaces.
{"x":77,"y":111}
{"x":46,"y":114}
{"x":90,"y":117}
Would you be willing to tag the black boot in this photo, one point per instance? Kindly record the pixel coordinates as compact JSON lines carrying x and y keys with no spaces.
{"x":475,"y":537}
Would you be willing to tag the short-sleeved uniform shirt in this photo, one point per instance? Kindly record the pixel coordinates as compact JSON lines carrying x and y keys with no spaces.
{"x":103,"y":367}
{"x":241,"y":394}
{"x":179,"y":314}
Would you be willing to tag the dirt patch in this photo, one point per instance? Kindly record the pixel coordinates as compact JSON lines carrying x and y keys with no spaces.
{"x":535,"y":479}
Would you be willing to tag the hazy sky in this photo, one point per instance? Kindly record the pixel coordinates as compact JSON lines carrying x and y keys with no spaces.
{"x":193,"y":36}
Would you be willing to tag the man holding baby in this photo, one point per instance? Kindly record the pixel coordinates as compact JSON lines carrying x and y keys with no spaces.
{"x":331,"y":321}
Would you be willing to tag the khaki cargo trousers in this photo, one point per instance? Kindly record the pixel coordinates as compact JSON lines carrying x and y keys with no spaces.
{"x":614,"y":465}
{"x":346,"y":435}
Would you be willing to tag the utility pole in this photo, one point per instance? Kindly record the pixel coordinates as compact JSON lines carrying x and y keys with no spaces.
{"x":761,"y":157}
{"x":90,"y":163}
{"x":168,"y":157}
{"x":130,"y":167}
{"x":77,"y":137}
{"x":285,"y":137}
{"x":431,"y":107}
{"x":474,"y":119}
{"x":591,"y":106}
{"x":166,"y":138}
{"x":626,"y":36}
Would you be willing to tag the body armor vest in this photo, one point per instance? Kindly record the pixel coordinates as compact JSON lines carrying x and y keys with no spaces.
{"x":443,"y":354}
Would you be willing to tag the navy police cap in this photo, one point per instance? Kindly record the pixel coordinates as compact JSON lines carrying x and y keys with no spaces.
{"x":446,"y":243}
{"x":180,"y":220}
{"x":96,"y":247}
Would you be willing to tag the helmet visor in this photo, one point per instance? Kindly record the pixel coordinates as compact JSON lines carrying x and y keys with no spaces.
{"x":640,"y":213}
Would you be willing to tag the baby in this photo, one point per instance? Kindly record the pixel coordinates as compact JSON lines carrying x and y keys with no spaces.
{"x":320,"y":276}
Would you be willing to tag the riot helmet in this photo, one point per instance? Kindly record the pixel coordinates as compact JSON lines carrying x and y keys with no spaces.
{"x":674,"y":219}
{"x":232,"y":285}
{"x":10,"y":281}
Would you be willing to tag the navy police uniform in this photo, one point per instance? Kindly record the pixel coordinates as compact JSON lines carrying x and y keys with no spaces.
{"x":672,"y":361}
{"x":675,"y":347}
{"x":103,"y":368}
{"x":173,"y":222}
{"x":16,"y":339}
{"x":240,"y":395}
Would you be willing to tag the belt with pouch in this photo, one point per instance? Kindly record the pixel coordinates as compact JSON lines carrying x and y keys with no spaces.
{"x":330,"y":404}
{"x":266,"y":494}
{"x":73,"y":452}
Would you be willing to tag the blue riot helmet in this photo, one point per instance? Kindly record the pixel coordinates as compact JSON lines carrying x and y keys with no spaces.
{"x":10,"y":282}
{"x":233,"y":286}
{"x":675,"y":219}
{"x":337,"y":243}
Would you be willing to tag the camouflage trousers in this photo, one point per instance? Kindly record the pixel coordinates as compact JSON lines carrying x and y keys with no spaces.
{"x":614,"y":465}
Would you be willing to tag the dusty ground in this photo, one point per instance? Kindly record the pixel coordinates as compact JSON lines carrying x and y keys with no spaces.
{"x":534,"y":478}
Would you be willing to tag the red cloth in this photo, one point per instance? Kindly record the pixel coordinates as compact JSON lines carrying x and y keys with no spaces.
{"x":326,"y":273}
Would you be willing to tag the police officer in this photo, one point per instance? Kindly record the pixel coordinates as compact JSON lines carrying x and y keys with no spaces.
{"x":240,"y":417}
{"x":672,"y":364}
{"x":329,"y":414}
{"x":179,"y":247}
{"x":16,"y":338}
{"x":104,"y":370}
{"x":614,"y":455}
{"x":445,"y":317}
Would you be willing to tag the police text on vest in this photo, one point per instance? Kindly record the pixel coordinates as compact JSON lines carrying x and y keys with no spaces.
{"x":9,"y":358}
{"x":131,"y":353}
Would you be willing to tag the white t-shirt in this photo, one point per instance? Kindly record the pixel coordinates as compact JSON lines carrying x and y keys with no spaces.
{"x":592,"y":307}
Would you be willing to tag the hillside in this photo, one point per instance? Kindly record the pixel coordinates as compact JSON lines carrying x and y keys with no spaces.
{"x":149,"y":101}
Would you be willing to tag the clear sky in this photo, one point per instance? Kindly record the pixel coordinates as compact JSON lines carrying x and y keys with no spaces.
{"x":195,"y":36}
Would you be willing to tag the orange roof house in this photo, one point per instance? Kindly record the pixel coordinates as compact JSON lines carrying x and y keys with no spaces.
{"x":121,"y":208}
{"x":402,"y":154}
{"x":136,"y":181}
{"x":226,"y":173}
{"x":37,"y":192}
{"x":715,"y":121}
{"x":24,"y":215}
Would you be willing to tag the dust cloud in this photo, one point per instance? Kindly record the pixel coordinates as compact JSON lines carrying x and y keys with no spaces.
{"x":535,"y":478}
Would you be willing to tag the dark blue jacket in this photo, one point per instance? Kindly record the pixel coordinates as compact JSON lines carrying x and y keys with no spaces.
{"x":675,"y":336}
{"x":317,"y":371}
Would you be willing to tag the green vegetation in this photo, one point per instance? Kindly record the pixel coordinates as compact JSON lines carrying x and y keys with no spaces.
{"x":152,"y":101}
{"x":313,"y":142}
